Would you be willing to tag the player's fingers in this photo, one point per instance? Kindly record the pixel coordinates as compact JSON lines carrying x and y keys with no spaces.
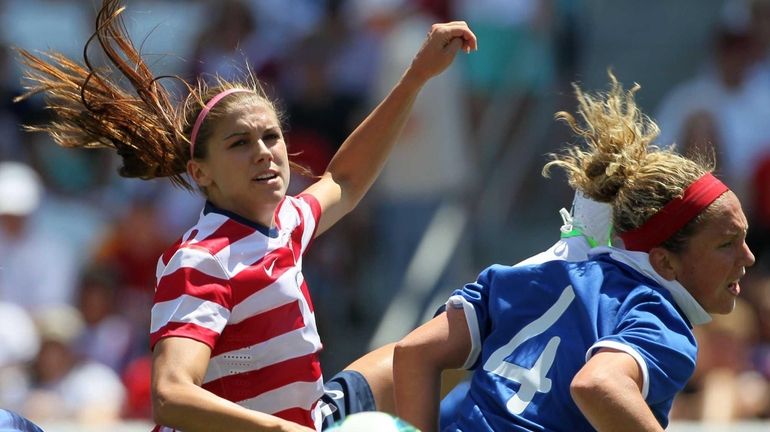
{"x":457,"y":29}
{"x":455,"y":44}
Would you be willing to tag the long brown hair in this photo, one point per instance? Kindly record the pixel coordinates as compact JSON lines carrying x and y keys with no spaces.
{"x":142,"y":123}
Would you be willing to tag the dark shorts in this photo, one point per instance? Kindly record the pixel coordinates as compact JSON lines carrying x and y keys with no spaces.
{"x":345,"y":394}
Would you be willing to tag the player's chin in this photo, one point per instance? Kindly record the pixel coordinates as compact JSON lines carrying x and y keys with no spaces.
{"x":724,"y":306}
{"x":274,"y":196}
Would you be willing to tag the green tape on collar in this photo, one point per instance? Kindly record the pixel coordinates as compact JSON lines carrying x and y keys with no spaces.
{"x":575,"y":232}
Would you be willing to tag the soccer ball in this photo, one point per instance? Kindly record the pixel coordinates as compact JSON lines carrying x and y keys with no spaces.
{"x":372,"y":421}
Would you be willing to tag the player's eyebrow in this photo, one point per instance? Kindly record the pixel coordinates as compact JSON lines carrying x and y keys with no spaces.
{"x":236,"y":134}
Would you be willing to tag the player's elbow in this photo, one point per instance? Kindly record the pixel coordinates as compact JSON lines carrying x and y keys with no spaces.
{"x":160,"y":404}
{"x":164,"y":401}
{"x":589,"y":387}
{"x":410,"y":355}
{"x":599,"y":386}
{"x":442,"y":343}
{"x":404,"y":354}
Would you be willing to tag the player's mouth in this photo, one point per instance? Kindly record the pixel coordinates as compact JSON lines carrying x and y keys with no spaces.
{"x":734,"y":287}
{"x":265,"y":178}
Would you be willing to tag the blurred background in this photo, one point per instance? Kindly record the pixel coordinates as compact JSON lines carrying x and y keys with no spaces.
{"x":463,"y":189}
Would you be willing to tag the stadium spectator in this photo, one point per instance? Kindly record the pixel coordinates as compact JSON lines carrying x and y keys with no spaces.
{"x":107,"y":337}
{"x":66,"y":386}
{"x":37,"y":268}
{"x":737,"y":102}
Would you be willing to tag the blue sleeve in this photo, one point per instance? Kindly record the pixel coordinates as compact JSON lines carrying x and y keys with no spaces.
{"x":662,"y":340}
{"x":11,"y":421}
{"x":473,"y":299}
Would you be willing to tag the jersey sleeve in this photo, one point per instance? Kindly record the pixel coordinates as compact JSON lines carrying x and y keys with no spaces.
{"x":192,"y":298}
{"x":310,"y":214}
{"x":652,"y":331}
{"x":473,"y":299}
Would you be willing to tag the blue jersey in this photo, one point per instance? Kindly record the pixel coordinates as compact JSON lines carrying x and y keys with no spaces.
{"x":533,"y":327}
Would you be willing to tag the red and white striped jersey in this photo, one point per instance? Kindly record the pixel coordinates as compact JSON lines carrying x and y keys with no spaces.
{"x":238,"y":287}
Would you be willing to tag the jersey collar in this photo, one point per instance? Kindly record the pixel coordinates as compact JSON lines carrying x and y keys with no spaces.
{"x":640,"y":261}
{"x":268,"y":231}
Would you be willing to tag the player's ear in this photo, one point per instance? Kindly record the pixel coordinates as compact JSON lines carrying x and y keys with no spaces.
{"x":198,"y":171}
{"x":664,"y":262}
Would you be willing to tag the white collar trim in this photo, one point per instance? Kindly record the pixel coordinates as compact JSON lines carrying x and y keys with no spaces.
{"x":640,"y":261}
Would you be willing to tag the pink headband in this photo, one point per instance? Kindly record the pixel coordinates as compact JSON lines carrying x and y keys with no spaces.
{"x":675,"y":215}
{"x":205,"y":111}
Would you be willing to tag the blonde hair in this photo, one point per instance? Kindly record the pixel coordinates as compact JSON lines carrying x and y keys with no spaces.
{"x":619,"y":163}
{"x":142,"y":124}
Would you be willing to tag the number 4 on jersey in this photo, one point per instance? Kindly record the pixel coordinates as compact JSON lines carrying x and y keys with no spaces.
{"x":531,"y":380}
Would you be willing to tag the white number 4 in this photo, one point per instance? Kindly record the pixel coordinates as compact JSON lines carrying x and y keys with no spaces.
{"x":531,"y":380}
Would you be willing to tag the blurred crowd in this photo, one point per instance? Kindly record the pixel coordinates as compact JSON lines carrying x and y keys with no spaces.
{"x":79,"y":245}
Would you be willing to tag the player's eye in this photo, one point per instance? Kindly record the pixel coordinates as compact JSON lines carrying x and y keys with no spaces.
{"x":238,"y":143}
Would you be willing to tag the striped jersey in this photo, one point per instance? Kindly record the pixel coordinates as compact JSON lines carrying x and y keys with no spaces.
{"x":237,"y":286}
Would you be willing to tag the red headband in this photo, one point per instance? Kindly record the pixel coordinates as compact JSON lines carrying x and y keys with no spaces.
{"x":675,"y":215}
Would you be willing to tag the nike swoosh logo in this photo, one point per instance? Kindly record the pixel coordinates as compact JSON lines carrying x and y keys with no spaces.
{"x":335,"y":394}
{"x":269,"y":269}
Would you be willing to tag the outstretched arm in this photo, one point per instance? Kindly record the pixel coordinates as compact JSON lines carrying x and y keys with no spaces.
{"x":608,"y":392}
{"x":418,"y":360}
{"x":178,"y":367}
{"x":361,"y":157}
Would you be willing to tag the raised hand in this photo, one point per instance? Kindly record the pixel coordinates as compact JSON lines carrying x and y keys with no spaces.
{"x":440,"y":47}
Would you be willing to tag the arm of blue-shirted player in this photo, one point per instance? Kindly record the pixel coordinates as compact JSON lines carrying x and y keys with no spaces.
{"x":608,"y":392}
{"x":179,"y":401}
{"x":418,"y":360}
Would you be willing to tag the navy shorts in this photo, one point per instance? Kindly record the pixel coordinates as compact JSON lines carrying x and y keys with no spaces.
{"x":346,"y":393}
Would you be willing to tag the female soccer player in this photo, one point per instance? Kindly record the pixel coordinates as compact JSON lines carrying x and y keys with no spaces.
{"x":233,"y":333}
{"x":604,"y":343}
